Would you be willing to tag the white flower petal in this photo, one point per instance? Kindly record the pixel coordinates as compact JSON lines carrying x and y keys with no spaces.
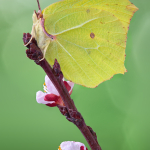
{"x":50,"y":86}
{"x":71,"y":145}
{"x":40,"y":98}
{"x":71,"y":84}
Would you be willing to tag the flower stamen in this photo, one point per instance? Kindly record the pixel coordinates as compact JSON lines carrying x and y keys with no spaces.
{"x":45,"y":88}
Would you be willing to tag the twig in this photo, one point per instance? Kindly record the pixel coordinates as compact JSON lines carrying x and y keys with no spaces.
{"x":70,"y":111}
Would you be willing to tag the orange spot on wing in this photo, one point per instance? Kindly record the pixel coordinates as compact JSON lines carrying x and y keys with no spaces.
{"x":88,"y":10}
{"x":92,"y":35}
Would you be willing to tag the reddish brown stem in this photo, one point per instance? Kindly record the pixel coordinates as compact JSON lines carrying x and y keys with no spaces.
{"x":70,"y":106}
{"x":55,"y":75}
{"x":58,"y":84}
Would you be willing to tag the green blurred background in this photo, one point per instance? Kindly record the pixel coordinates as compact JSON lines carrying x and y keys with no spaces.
{"x":118,"y":110}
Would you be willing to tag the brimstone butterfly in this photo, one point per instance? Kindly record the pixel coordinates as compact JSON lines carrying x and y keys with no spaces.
{"x":87,"y":37}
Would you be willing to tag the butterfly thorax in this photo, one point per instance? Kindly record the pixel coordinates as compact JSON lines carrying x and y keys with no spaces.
{"x":38,"y":33}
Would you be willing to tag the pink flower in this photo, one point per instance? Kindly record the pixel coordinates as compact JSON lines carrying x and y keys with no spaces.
{"x":71,"y":145}
{"x":50,"y":96}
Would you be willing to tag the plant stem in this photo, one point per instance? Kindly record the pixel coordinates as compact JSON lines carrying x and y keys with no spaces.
{"x":59,"y":86}
{"x":34,"y":53}
{"x":69,"y":104}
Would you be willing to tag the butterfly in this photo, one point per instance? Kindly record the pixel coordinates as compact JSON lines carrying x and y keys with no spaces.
{"x":87,"y":37}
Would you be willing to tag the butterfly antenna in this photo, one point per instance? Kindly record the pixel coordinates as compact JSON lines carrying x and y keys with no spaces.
{"x":39,"y":5}
{"x":39,"y":13}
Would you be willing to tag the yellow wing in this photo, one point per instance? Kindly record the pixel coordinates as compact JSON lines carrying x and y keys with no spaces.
{"x":90,"y":38}
{"x":122,"y":9}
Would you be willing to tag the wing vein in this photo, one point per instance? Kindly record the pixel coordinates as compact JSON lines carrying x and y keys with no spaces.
{"x":78,"y":26}
{"x":92,"y":59}
{"x":73,"y":59}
